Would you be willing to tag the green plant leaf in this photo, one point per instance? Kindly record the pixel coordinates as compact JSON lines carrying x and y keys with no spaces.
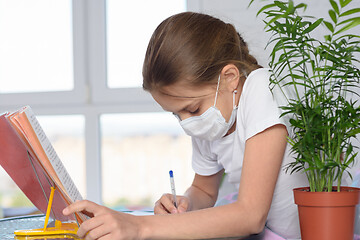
{"x":275,"y":18}
{"x":264,"y":7}
{"x":343,"y":3}
{"x":327,"y":38}
{"x":290,"y":8}
{"x":295,"y":123}
{"x":349,"y":12}
{"x":353,"y":23}
{"x":313,"y":26}
{"x":353,"y":132}
{"x":350,"y":161}
{"x":329,"y":26}
{"x":349,"y":20}
{"x":332,"y":15}
{"x":282,"y":5}
{"x":301,"y":5}
{"x":334,"y":6}
{"x":250,"y":3}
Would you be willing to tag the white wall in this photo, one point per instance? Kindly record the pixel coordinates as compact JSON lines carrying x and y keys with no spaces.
{"x":252,"y":30}
{"x":247,"y":24}
{"x":251,"y":27}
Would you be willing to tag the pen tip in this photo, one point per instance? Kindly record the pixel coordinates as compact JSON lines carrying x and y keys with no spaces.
{"x":171,"y":173}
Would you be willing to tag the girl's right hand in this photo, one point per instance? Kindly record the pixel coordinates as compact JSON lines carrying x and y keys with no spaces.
{"x":165,"y":204}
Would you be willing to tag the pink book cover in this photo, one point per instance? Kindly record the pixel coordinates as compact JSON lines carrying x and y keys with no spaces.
{"x":26,"y":171}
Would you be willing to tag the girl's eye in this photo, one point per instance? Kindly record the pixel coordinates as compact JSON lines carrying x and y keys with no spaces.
{"x":194,"y":112}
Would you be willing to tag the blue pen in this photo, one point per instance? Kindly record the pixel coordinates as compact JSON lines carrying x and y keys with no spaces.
{"x":172,"y":183}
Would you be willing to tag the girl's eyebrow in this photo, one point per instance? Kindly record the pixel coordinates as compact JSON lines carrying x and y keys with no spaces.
{"x":181,"y":109}
{"x":184,"y":108}
{"x":205,"y":95}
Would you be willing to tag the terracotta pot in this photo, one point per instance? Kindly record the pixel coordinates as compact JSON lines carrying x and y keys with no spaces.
{"x":327,"y":215}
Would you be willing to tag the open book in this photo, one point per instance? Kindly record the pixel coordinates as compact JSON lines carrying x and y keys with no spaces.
{"x":28,"y":157}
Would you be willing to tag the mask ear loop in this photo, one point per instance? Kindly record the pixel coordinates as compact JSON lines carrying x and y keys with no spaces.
{"x":234,"y":93}
{"x":217,"y":90}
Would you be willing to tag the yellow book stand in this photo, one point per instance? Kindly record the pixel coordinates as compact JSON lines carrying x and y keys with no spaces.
{"x":52,"y":237}
{"x":59,"y":229}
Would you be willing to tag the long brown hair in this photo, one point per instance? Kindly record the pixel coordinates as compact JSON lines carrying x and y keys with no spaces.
{"x":193,"y":47}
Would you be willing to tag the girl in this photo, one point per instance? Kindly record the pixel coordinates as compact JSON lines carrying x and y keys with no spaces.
{"x":200,"y":69}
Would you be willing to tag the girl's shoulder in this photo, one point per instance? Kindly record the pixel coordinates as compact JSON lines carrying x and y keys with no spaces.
{"x":258,"y":75}
{"x":257,"y":83}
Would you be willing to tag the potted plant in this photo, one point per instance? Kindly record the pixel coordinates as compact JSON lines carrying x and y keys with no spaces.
{"x":318,"y":76}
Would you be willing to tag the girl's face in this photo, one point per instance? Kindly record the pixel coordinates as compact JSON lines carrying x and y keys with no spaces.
{"x":185,"y":100}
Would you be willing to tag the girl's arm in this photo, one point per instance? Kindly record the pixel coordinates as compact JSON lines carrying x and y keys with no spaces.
{"x":262,"y":161}
{"x":204,"y":190}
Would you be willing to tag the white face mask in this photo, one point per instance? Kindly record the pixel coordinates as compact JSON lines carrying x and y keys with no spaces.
{"x":210,"y":125}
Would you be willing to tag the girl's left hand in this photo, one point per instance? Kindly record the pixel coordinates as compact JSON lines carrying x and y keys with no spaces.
{"x":106,"y":223}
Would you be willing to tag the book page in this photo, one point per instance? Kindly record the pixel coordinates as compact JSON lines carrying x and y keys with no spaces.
{"x":55,"y":161}
{"x":27,"y":117}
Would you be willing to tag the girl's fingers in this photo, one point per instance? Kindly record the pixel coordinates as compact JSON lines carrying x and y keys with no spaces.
{"x":106,"y":223}
{"x":89,"y":214}
{"x":183,"y":205}
{"x":93,"y":226}
{"x":106,"y":237}
{"x":84,"y":205}
{"x":165,"y":205}
{"x":168,"y":204}
{"x":159,"y":208}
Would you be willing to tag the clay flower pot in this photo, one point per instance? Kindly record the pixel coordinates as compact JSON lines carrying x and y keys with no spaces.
{"x":327,"y":215}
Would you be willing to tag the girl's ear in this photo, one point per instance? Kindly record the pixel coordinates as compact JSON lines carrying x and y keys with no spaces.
{"x":231,"y":74}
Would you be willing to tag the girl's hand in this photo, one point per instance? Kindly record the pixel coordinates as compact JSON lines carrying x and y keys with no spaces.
{"x":106,"y":223}
{"x":165,"y":204}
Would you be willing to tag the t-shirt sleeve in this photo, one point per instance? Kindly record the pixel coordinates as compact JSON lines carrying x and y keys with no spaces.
{"x":203,"y":161}
{"x":259,"y":108}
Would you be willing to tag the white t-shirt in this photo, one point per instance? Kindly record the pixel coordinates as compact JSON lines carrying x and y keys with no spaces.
{"x":257,"y":111}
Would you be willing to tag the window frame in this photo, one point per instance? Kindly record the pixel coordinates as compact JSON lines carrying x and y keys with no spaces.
{"x":97,"y":65}
{"x":77,"y":95}
{"x":90,"y":97}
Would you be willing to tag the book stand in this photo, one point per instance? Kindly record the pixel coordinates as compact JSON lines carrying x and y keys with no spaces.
{"x":59,"y":229}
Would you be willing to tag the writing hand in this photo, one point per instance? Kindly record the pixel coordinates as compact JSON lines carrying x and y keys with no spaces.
{"x":165,"y":204}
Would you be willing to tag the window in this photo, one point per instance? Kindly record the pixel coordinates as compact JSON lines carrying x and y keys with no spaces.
{"x":129,"y":28}
{"x":10,"y":193}
{"x":36,"y":46}
{"x":66,"y":59}
{"x":138,"y":150}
